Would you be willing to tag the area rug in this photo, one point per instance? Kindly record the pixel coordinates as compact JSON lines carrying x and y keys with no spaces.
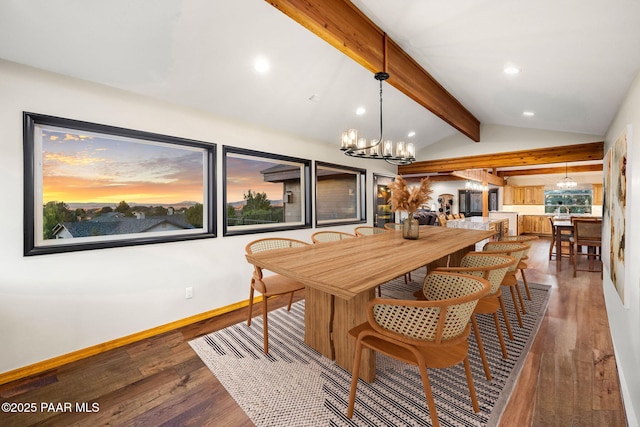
{"x":296,"y":386}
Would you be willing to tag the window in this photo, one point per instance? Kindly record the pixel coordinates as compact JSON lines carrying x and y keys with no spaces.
{"x":340,"y":194}
{"x":577,"y":201}
{"x":91,"y":186}
{"x":265,"y":192}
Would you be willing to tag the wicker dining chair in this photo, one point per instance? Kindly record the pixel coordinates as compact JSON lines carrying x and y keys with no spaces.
{"x":522,"y":265}
{"x":516,"y":250}
{"x":396,"y":226}
{"x":587,"y":232}
{"x":393,"y":226}
{"x":330,"y":236}
{"x":272,"y":285}
{"x":366,"y":230}
{"x":492,"y":268}
{"x":428,"y":334}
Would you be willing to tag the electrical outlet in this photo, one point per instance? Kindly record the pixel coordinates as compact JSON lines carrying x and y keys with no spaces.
{"x":188,"y":292}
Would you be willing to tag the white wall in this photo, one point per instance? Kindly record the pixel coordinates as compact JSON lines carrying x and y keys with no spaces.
{"x":51,"y":305}
{"x":625,"y":321}
{"x":498,"y":139}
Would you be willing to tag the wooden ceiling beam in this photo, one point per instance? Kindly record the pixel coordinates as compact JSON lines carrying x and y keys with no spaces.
{"x":541,"y":156}
{"x":346,"y":28}
{"x":550,"y":170}
{"x":479,"y":175}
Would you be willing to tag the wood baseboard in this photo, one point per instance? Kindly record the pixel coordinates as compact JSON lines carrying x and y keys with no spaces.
{"x":45,"y":365}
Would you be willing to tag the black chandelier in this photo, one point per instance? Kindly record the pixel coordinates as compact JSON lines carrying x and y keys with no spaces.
{"x":399,"y":154}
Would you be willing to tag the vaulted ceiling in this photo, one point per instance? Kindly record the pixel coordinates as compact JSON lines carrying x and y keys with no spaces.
{"x":576,"y":59}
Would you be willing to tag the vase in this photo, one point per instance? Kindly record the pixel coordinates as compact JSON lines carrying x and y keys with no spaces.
{"x":411,"y":228}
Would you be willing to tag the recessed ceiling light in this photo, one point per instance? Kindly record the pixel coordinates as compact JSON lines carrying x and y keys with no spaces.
{"x":511,"y":70}
{"x":528,"y":113}
{"x":261,"y":65}
{"x":360,"y":111}
{"x":411,"y":134}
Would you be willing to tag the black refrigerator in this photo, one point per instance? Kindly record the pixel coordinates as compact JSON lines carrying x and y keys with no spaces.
{"x":470,"y":201}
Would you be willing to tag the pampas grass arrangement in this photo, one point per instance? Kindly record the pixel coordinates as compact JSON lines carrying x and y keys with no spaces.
{"x":408,"y":199}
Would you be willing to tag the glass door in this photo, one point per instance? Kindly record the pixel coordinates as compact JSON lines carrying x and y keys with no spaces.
{"x":382,"y":213}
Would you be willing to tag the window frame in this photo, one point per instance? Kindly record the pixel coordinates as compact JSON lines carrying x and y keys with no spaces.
{"x":34,"y":126}
{"x":361,"y":210}
{"x":305,"y":188}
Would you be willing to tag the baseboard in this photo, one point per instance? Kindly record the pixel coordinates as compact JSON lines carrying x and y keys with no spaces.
{"x":45,"y":365}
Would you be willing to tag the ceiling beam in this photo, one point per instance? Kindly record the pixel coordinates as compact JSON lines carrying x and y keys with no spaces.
{"x":550,"y":170}
{"x":541,"y":156}
{"x":479,"y":175}
{"x":346,"y":28}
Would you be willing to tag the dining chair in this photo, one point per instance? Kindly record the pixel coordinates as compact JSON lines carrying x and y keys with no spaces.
{"x":273,"y":285}
{"x":522,"y":265}
{"x":564,"y":238}
{"x":427,"y":334}
{"x":493,"y":268}
{"x":393,"y":226}
{"x":516,"y":250}
{"x":330,"y":236}
{"x":587,"y":232}
{"x":369,"y":231}
{"x":442,"y":220}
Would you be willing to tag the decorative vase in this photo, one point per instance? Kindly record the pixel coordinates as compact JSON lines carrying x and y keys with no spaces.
{"x":411,"y":228}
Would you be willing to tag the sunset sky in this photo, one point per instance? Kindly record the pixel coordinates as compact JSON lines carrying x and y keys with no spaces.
{"x":103,"y":169}
{"x":243,"y":174}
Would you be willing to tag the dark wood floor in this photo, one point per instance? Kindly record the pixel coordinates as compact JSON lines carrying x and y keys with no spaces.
{"x":569,"y":378}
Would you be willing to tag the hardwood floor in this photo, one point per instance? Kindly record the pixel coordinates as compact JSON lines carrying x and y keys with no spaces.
{"x":569,"y":378}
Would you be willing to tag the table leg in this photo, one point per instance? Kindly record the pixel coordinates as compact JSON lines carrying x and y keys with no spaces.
{"x":348,"y":314}
{"x":558,"y":249}
{"x":318,"y":314}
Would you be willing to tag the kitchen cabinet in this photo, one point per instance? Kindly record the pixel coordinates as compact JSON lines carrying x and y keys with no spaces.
{"x":597,"y":195}
{"x":527,"y":195}
{"x":536,"y":224}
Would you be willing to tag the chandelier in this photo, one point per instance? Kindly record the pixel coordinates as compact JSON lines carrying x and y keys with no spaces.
{"x":566,"y":182}
{"x":400,"y":153}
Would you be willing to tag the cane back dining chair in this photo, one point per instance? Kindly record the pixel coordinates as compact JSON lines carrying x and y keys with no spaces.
{"x":273,"y":285}
{"x":522,"y":265}
{"x":393,"y":226}
{"x":366,"y":230}
{"x":428,"y":334}
{"x":516,"y":250}
{"x":587,"y":232}
{"x":493,"y":268}
{"x":330,"y":236}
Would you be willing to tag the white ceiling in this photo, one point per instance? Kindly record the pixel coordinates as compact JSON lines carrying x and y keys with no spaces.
{"x":578,"y":58}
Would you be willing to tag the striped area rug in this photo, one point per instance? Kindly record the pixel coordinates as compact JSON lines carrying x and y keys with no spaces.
{"x":295,"y":386}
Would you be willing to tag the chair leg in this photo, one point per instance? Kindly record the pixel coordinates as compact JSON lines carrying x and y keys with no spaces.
{"x":265,"y":326}
{"x":526,"y":285}
{"x":290,"y":301}
{"x":524,"y":310}
{"x":431,"y":404}
{"x":472,"y":389}
{"x":250,"y":306}
{"x":483,"y":356}
{"x":515,"y":304}
{"x":354,"y":379}
{"x":506,"y":318}
{"x":496,"y":321}
{"x":575,"y":260}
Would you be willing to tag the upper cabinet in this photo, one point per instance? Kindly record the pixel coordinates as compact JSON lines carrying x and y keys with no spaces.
{"x":597,"y":195}
{"x":529,"y":195}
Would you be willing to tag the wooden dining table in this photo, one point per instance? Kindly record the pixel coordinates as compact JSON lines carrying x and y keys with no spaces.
{"x":340,"y":278}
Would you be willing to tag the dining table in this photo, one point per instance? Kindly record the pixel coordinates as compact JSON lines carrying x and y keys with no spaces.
{"x":341,"y":277}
